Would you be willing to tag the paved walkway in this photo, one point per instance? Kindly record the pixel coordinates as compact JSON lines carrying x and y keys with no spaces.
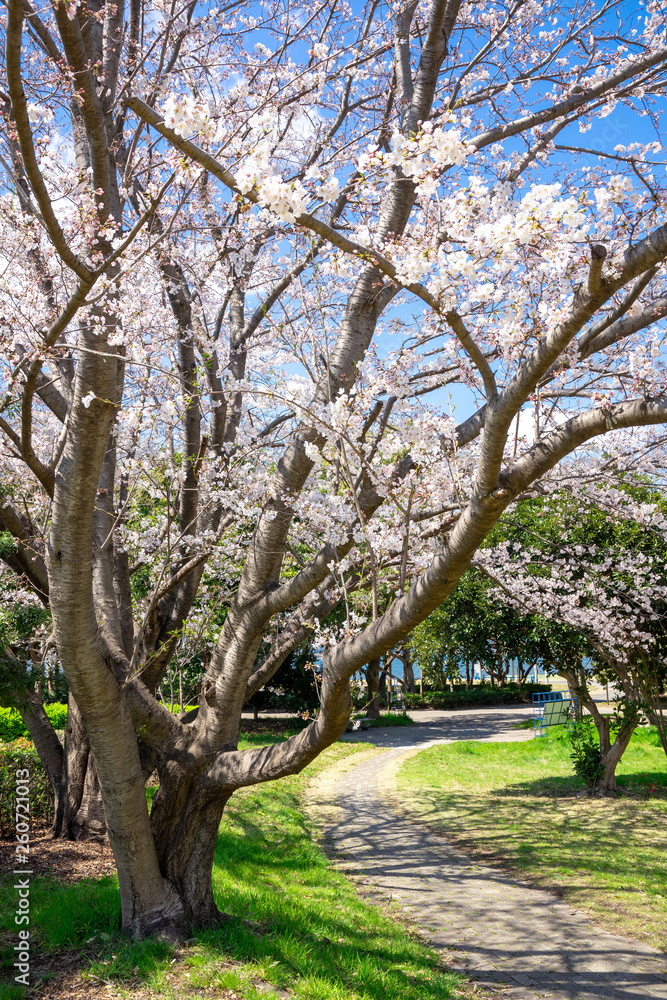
{"x":488,"y":724}
{"x":491,"y":927}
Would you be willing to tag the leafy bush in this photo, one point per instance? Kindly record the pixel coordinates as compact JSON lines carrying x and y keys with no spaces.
{"x":392,"y":719}
{"x":586,"y":755}
{"x":21,"y":753}
{"x":11,"y":723}
{"x":482,"y":694}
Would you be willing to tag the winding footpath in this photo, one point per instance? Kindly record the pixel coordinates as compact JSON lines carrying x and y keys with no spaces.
{"x":489,"y":926}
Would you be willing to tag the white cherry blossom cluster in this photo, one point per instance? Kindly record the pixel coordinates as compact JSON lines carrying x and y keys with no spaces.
{"x":646,"y":365}
{"x":328,"y":188}
{"x":608,"y":595}
{"x":286,"y":199}
{"x":38,"y":113}
{"x":422,"y":157}
{"x":413,"y":263}
{"x":617,"y":190}
{"x":617,"y":503}
{"x":71,"y":7}
{"x":186,"y":115}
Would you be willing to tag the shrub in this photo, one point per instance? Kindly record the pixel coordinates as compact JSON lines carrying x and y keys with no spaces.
{"x":585,"y":755}
{"x":389,"y":719}
{"x":482,"y":694}
{"x":57,"y":713}
{"x":21,"y":753}
{"x":11,"y":723}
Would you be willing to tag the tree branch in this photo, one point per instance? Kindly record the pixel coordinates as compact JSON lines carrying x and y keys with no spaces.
{"x":15,"y":10}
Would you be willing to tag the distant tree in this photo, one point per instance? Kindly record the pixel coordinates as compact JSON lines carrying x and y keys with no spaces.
{"x":474,"y":626}
{"x":592,"y":570}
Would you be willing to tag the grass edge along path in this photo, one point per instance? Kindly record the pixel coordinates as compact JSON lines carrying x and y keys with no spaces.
{"x":520,"y":807}
{"x":296,"y":923}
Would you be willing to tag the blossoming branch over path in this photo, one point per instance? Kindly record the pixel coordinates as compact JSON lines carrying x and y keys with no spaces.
{"x":490,"y":926}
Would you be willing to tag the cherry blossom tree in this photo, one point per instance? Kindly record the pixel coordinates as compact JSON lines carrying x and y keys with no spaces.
{"x":591,"y":566}
{"x":215,"y":220}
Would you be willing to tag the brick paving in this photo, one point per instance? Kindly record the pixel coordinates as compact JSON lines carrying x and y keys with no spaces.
{"x":490,"y":926}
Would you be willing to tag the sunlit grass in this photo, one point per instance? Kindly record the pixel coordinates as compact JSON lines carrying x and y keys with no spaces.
{"x":521,"y":805}
{"x":294,"y":920}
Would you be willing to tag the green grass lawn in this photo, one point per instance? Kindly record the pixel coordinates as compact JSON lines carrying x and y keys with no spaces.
{"x":296,"y":922}
{"x":520,"y":805}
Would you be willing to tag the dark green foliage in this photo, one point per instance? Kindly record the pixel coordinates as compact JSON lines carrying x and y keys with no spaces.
{"x":14,"y":756}
{"x":7,"y":542}
{"x":586,"y":755}
{"x":292,"y":689}
{"x":477,"y":625}
{"x":140,"y":583}
{"x":19,"y":622}
{"x":482,"y":694}
{"x":473,"y":626}
{"x":19,"y":625}
{"x":392,"y":719}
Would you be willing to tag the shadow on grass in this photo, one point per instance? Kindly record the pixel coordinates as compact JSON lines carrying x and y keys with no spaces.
{"x":584,"y":845}
{"x":644,"y":784}
{"x":293,"y":920}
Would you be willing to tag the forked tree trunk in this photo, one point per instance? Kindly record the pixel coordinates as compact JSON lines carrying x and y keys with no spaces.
{"x":610,"y":761}
{"x":610,"y":753}
{"x":91,"y":658}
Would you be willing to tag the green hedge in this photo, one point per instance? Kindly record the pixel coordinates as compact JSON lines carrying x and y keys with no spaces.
{"x":22,"y":754}
{"x":11,"y":723}
{"x":483,"y":694}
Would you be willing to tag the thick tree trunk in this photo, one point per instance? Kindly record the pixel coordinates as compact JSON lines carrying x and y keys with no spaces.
{"x":610,"y":761}
{"x":89,"y":639}
{"x":610,"y":753}
{"x":372,"y":673}
{"x":382,"y":685}
{"x":657,"y":719}
{"x":185,"y":831}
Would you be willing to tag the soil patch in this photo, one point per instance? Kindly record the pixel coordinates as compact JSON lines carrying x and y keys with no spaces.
{"x":63,"y":860}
